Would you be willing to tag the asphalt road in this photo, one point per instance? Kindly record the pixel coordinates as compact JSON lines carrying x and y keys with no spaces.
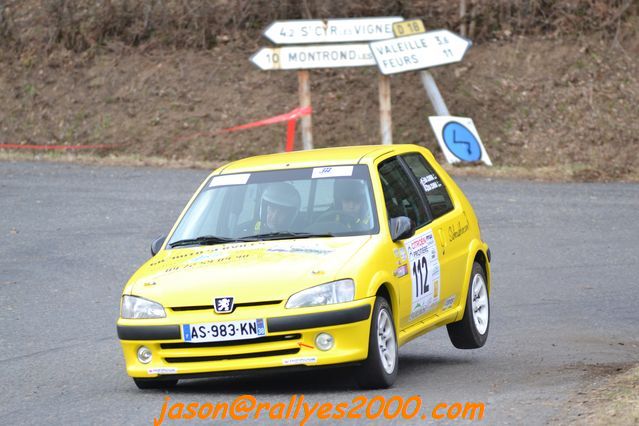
{"x":565,"y":298}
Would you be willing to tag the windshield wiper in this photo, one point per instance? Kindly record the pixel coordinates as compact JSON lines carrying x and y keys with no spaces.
{"x":282,"y":235}
{"x":204,"y":240}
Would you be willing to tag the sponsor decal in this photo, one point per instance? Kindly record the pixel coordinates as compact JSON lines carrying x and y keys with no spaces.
{"x":429,"y":183}
{"x":401,"y":271}
{"x":339,"y":171}
{"x":299,"y":248}
{"x":400,"y":253}
{"x":162,"y":370}
{"x":449,"y":302}
{"x":456,"y":231}
{"x":302,"y":360}
{"x":224,"y":180}
{"x":424,"y":268}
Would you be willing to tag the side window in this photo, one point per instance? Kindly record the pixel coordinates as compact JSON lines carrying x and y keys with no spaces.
{"x":399,"y":193}
{"x":436,"y":193}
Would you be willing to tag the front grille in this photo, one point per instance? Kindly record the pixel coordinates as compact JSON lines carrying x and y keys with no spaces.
{"x":265,"y":339}
{"x":237,"y":305}
{"x":232,"y":356}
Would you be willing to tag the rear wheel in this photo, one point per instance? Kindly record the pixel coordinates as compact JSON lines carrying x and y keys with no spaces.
{"x":380,"y":368}
{"x":471,"y":331}
{"x":154,"y":383}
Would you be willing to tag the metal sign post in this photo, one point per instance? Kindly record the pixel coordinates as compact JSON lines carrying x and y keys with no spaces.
{"x":433,"y":93}
{"x":385,"y":117}
{"x":413,"y":27}
{"x":305,"y":101}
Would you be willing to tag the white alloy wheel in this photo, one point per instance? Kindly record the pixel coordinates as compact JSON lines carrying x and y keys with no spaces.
{"x":379,"y":369}
{"x":480,"y":304}
{"x":471,"y":331}
{"x":386,"y":341}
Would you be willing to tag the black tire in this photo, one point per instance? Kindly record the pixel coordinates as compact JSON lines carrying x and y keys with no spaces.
{"x":372,"y":374}
{"x":154,"y":383}
{"x":464,"y":334}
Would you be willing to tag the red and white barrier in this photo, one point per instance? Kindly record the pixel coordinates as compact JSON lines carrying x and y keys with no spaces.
{"x":290,"y":118}
{"x":54,"y":147}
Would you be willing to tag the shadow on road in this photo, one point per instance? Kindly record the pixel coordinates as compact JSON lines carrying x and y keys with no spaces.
{"x":321,"y":381}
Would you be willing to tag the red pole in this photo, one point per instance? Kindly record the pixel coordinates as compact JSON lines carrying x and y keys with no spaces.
{"x":290,"y":135}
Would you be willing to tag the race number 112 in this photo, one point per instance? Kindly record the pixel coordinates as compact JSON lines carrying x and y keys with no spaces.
{"x":420,"y":272}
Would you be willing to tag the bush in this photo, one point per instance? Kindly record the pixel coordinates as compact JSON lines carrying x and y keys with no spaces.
{"x":80,"y":24}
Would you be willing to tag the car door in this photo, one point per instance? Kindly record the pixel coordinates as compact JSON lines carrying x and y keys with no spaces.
{"x":417,"y":282}
{"x":450,"y":226}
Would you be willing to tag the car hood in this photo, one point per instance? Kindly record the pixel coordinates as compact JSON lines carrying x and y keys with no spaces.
{"x":250,"y":272}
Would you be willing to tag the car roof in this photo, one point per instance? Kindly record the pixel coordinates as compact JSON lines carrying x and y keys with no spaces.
{"x":313,"y":158}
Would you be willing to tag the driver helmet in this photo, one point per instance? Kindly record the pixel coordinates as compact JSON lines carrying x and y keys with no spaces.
{"x":349,"y":189}
{"x":283,"y":196}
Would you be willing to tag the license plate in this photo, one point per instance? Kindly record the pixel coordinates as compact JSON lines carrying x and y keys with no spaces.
{"x":223,"y":331}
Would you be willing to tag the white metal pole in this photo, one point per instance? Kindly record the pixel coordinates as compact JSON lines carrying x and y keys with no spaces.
{"x":433,"y":93}
{"x":305,"y":101}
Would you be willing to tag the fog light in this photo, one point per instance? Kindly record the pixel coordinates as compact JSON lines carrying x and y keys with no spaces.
{"x":324,"y":341}
{"x":144,"y":355}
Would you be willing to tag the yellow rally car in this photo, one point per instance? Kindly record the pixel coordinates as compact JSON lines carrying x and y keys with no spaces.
{"x":309,"y":259}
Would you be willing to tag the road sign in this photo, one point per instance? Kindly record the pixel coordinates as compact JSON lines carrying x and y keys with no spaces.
{"x":410,"y":27}
{"x":458,"y":139}
{"x":331,"y":31}
{"x":419,"y":51}
{"x":319,"y":56}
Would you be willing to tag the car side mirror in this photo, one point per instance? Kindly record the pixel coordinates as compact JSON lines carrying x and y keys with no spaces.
{"x":156,"y":245}
{"x":401,"y":227}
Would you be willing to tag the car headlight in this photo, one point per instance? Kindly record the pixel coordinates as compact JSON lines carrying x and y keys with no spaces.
{"x":326,"y":294}
{"x":136,"y":307}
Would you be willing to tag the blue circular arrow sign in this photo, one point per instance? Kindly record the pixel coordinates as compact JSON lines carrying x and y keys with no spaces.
{"x":461,"y":142}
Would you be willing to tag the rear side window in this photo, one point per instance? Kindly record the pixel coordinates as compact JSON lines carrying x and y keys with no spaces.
{"x":400,"y":194}
{"x":436,"y":193}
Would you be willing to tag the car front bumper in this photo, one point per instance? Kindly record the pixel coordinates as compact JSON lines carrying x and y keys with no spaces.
{"x":289,"y":341}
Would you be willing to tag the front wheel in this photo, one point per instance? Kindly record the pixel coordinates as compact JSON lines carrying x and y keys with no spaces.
{"x":471,"y":331}
{"x":380,"y":368}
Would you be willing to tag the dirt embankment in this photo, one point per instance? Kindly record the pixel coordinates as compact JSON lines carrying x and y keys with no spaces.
{"x":610,"y":396}
{"x":553,"y":105}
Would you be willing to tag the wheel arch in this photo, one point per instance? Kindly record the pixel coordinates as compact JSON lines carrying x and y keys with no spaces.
{"x":384,"y":290}
{"x":478,"y":253}
{"x":382,"y":285}
{"x":482,"y":258}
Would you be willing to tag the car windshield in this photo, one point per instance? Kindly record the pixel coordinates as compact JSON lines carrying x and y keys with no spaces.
{"x":280,"y":204}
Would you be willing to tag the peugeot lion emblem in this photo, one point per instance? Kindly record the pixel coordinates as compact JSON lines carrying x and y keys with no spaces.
{"x":223,"y":305}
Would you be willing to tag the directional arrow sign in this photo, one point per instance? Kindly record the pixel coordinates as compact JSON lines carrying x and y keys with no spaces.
{"x":306,"y":57}
{"x":331,"y":31}
{"x":419,"y":51}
